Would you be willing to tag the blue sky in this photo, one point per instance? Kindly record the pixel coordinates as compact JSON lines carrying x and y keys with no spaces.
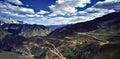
{"x":38,"y":5}
{"x":57,"y":12}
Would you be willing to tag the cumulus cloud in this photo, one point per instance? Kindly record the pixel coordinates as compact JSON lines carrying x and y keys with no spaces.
{"x":59,"y":11}
{"x":17,"y":2}
{"x":67,"y":7}
{"x":95,"y":11}
{"x":10,"y":7}
{"x":108,"y":4}
{"x":92,"y":13}
{"x":99,"y":9}
{"x":50,"y":20}
{"x":15,"y":11}
{"x":75,"y":3}
{"x":42,"y":12}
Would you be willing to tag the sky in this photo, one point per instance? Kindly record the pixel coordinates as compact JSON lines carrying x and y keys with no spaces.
{"x":57,"y":12}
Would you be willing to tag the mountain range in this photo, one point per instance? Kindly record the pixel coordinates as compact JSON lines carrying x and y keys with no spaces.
{"x":25,"y":29}
{"x":95,"y":39}
{"x":10,"y":26}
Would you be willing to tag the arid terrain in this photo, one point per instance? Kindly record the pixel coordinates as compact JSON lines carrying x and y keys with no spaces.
{"x":95,"y":39}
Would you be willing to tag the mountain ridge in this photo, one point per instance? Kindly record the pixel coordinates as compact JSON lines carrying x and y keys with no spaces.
{"x":105,"y":22}
{"x":25,"y":30}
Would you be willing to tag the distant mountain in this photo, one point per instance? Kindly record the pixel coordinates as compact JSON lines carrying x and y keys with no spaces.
{"x":10,"y":21}
{"x":25,"y":30}
{"x":106,"y":23}
{"x":53,"y":27}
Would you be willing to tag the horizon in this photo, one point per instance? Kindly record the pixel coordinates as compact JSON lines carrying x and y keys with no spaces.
{"x":57,"y":12}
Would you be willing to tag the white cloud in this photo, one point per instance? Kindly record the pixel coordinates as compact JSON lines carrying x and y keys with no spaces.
{"x":86,"y":15}
{"x":75,"y":3}
{"x":108,"y":4}
{"x":30,"y":16}
{"x":42,"y":12}
{"x":17,"y":2}
{"x":10,"y":7}
{"x":92,"y":13}
{"x":50,"y":20}
{"x":67,"y":7}
{"x":25,"y":10}
{"x":111,"y":1}
{"x":14,"y":11}
{"x":60,"y":10}
{"x":68,"y":10}
{"x":60,"y":1}
{"x":33,"y":15}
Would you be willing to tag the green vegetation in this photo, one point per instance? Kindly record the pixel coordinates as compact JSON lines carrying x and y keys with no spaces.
{"x":38,"y":57}
{"x":69,"y":52}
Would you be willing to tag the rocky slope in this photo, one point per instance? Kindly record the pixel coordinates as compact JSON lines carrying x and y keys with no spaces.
{"x":86,"y":40}
{"x":11,"y":55}
{"x":106,"y":23}
{"x":25,"y":29}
